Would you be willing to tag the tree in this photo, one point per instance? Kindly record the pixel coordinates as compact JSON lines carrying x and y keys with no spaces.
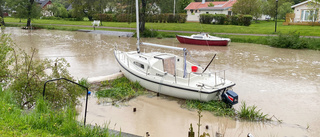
{"x":26,"y":9}
{"x":284,"y":9}
{"x":2,"y":4}
{"x":182,"y":4}
{"x":58,"y":10}
{"x":87,"y":8}
{"x":33,"y":11}
{"x":249,"y":7}
{"x":270,"y":7}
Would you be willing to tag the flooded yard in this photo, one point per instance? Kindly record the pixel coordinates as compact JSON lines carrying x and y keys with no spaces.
{"x":281,"y":82}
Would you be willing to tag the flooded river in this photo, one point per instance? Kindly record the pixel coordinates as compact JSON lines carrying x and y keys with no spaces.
{"x":281,"y":82}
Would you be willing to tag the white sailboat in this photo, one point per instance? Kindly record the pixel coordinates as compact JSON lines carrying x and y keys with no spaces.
{"x":173,"y":75}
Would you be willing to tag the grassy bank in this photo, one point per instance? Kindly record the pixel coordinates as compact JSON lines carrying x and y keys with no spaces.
{"x":42,"y":120}
{"x":262,"y":27}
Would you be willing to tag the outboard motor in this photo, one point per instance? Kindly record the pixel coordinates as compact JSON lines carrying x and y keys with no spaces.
{"x":230,"y":97}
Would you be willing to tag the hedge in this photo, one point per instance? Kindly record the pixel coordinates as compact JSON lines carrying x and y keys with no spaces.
{"x":223,"y":19}
{"x":156,"y":18}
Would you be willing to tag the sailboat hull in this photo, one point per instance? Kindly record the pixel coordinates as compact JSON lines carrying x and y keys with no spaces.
{"x":208,"y":42}
{"x":157,"y":84}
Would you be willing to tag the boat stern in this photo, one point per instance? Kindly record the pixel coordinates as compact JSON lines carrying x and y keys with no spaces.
{"x":230,"y":97}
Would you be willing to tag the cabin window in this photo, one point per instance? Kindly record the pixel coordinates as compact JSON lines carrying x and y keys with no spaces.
{"x":169,"y":65}
{"x":308,"y":15}
{"x":139,"y":64}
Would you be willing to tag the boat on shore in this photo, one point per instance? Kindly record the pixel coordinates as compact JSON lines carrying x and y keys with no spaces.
{"x":203,"y":39}
{"x":173,"y":75}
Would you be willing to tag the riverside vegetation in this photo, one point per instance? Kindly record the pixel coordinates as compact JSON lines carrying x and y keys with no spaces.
{"x":23,"y":111}
{"x":122,"y":89}
{"x":290,"y":32}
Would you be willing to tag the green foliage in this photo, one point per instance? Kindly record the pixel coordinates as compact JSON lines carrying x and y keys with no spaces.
{"x":120,"y":89}
{"x":210,"y":5}
{"x":84,"y":82}
{"x":58,"y":10}
{"x":251,"y":113}
{"x":219,"y":108}
{"x":27,"y":77}
{"x":247,"y":20}
{"x":43,"y":120}
{"x":149,"y":33}
{"x":248,"y":7}
{"x":284,"y":9}
{"x":206,"y":18}
{"x":219,"y":18}
{"x":290,"y":40}
{"x":5,"y":57}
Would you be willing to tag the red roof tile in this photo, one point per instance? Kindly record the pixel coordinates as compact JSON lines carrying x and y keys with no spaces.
{"x":198,"y":5}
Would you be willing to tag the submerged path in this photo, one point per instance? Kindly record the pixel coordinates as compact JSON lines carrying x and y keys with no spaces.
{"x":172,"y":31}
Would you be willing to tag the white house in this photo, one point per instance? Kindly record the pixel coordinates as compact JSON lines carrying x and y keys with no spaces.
{"x":304,"y":11}
{"x":194,"y":9}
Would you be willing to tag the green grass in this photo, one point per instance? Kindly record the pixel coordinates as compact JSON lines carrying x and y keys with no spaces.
{"x":251,"y":113}
{"x":42,"y":120}
{"x":262,"y":27}
{"x":219,"y":108}
{"x":120,"y":89}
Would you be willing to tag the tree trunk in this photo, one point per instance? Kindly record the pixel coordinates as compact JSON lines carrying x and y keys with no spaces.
{"x":142,"y":16}
{"x":29,"y":13}
{"x":1,"y":12}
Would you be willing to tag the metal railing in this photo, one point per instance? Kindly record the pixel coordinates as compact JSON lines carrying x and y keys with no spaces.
{"x":85,"y":113}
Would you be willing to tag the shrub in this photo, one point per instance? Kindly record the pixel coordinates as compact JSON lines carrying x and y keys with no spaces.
{"x":206,"y":18}
{"x":290,"y":40}
{"x":247,"y":20}
{"x":234,"y":20}
{"x":219,"y":18}
{"x":120,"y":89}
{"x":103,"y":17}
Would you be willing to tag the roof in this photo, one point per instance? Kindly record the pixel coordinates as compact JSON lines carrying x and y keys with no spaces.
{"x":218,"y":5}
{"x":198,"y":5}
{"x":43,"y":2}
{"x":301,"y":3}
{"x":226,"y":5}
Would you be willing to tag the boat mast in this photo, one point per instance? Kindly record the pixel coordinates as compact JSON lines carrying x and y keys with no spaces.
{"x":137,"y":22}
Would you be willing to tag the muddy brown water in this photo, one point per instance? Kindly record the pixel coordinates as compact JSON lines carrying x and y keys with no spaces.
{"x":281,"y":82}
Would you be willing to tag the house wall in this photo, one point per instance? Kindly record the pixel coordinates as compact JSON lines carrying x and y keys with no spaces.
{"x":193,"y":17}
{"x":215,"y":12}
{"x":298,"y":11}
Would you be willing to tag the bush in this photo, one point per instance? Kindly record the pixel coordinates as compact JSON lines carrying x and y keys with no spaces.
{"x":103,"y":17}
{"x":149,"y":33}
{"x":219,"y":18}
{"x":290,"y":40}
{"x":247,"y":20}
{"x":206,"y":18}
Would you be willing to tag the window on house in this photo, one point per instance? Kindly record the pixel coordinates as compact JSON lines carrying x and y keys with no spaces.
{"x":191,"y":11}
{"x":196,"y":11}
{"x":207,"y":12}
{"x":229,"y":13}
{"x":308,"y":15}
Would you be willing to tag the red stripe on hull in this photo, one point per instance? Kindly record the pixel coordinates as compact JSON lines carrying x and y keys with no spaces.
{"x":202,"y":42}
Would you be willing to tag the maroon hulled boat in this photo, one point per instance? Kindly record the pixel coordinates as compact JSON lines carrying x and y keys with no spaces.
{"x":203,"y":39}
